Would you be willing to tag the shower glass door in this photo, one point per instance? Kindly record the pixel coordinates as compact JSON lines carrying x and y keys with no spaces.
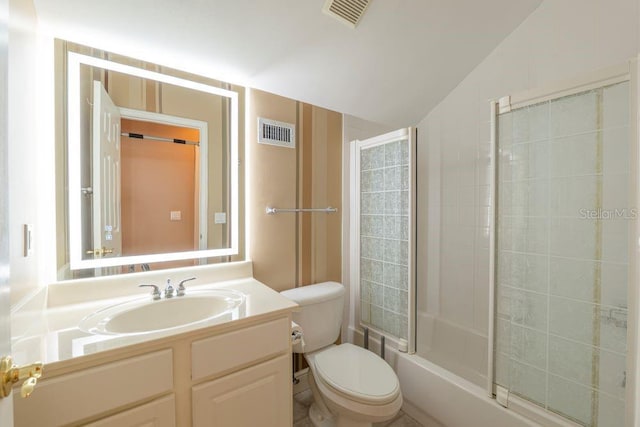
{"x":382,"y":232}
{"x":564,"y":217}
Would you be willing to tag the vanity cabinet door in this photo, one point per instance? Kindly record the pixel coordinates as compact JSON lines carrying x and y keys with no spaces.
{"x":85,"y":394}
{"x":256,"y":396}
{"x":159,"y":413}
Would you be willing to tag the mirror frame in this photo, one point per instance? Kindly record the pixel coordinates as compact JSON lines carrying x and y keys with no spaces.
{"x":76,"y":262}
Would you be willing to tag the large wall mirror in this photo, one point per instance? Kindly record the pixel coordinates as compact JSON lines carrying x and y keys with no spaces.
{"x":152,"y":166}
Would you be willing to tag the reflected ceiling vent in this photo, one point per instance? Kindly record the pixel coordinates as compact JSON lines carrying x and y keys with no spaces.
{"x":346,"y":11}
{"x":276,"y":133}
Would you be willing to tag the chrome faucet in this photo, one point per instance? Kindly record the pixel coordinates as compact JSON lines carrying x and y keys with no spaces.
{"x":181,"y":288}
{"x":156,"y":291}
{"x":168,"y":290}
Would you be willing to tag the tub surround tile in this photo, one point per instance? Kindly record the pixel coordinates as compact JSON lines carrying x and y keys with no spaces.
{"x":527,"y":382}
{"x":571,"y":360}
{"x":610,"y":411}
{"x":570,"y":399}
{"x":574,"y":114}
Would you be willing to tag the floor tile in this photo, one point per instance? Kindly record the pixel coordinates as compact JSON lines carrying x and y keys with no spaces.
{"x":300,"y":411}
{"x":405,"y":421}
{"x":305,"y":422}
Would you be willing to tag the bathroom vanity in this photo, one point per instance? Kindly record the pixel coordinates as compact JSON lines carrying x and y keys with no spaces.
{"x":234,"y":370}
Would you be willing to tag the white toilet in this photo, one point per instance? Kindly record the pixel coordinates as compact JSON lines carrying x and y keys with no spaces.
{"x":351,"y":386}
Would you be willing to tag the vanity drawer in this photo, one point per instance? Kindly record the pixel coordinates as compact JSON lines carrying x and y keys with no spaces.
{"x":159,"y":413}
{"x":223,"y":353}
{"x":90,"y":392}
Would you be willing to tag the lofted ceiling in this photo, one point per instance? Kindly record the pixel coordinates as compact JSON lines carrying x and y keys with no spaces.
{"x":402,"y":59}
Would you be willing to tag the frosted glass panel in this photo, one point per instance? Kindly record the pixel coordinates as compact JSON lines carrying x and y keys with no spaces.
{"x":384,"y":237}
{"x":563,"y":220}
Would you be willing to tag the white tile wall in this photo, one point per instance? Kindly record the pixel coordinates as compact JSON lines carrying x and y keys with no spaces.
{"x":571,"y":360}
{"x":610,"y":411}
{"x":575,"y":155}
{"x":570,"y":399}
{"x":529,"y":346}
{"x":571,"y":319}
{"x":573,"y":115}
{"x":529,"y":309}
{"x":528,"y":382}
{"x":571,"y":237}
{"x":522,"y":270}
{"x":574,"y":278}
{"x":612,"y":374}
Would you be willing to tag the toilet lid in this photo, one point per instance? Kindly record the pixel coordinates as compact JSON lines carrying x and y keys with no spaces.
{"x":357,"y":373}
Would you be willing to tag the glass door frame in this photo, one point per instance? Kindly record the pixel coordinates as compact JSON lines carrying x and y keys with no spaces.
{"x":410,"y":134}
{"x":593,"y":80}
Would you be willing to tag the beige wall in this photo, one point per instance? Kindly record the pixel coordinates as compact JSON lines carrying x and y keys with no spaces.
{"x":290,"y":249}
{"x":320,"y":176}
{"x":272,"y":182}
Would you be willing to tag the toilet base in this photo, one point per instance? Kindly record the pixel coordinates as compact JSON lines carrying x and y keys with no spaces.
{"x":318,"y":418}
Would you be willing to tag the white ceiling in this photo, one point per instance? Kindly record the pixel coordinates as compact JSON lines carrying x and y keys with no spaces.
{"x":403,"y":58}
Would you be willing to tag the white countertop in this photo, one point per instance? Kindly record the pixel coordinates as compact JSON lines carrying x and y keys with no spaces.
{"x":54,"y":336}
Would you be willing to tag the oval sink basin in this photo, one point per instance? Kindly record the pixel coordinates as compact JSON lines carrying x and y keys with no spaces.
{"x":144,"y":315}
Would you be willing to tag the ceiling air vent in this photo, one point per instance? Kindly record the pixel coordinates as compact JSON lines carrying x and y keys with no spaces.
{"x":346,"y":11}
{"x":276,"y":133}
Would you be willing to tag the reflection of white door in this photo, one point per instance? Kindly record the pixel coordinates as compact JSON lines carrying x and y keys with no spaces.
{"x":107,"y":233}
{"x":6,"y":404}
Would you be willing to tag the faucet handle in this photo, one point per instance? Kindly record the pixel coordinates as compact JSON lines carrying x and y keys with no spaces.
{"x":181,"y":288}
{"x":156,"y":291}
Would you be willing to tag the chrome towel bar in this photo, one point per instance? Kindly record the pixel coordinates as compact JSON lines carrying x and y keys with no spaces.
{"x":272,"y":211}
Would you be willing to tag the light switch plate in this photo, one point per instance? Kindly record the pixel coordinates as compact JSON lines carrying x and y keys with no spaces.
{"x":176,"y":215}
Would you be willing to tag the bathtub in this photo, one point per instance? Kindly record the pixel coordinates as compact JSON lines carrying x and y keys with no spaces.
{"x":438,"y":398}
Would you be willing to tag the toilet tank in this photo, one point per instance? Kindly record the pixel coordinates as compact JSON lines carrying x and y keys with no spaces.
{"x":320,"y":314}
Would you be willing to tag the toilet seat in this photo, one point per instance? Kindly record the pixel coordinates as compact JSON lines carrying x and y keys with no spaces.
{"x":356,"y":374}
